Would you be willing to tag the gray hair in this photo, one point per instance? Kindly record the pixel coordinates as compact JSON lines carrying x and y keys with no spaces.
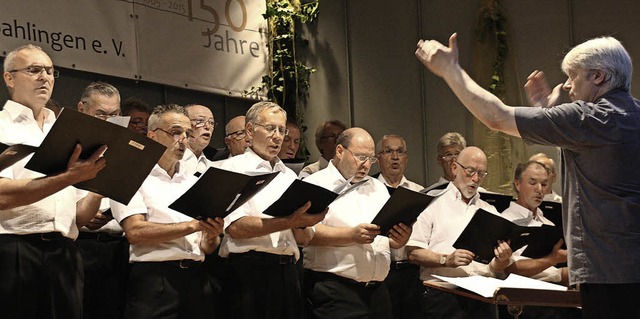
{"x":254,"y":112}
{"x":160,"y":110}
{"x":385,"y":137}
{"x":606,"y":54}
{"x":8,"y":61}
{"x":99,"y":88}
{"x":450,"y":139}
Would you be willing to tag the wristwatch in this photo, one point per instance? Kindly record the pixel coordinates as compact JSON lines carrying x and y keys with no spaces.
{"x":443,"y":259}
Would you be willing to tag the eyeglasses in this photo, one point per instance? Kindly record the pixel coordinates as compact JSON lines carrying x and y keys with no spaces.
{"x":470,"y":171}
{"x":176,"y":134}
{"x":36,"y":70}
{"x":237,"y":135}
{"x":105,"y":116}
{"x":201,"y":122}
{"x":389,"y":152}
{"x":271,"y":129}
{"x":363,"y":158}
{"x":447,"y":158}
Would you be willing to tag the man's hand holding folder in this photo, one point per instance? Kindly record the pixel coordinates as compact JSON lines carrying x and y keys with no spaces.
{"x":219,"y":192}
{"x":486,"y":232}
{"x":403,"y":207}
{"x":299,"y":194}
{"x":119,"y":180}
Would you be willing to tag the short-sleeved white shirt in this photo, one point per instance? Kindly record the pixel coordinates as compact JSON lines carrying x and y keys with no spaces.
{"x":55,"y":213}
{"x":360,"y":262}
{"x":440,"y":225}
{"x":281,"y":242}
{"x":152,"y":200}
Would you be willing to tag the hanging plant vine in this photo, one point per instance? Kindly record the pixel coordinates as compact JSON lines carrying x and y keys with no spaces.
{"x":287,"y":80}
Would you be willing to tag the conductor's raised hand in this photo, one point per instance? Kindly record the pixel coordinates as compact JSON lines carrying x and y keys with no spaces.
{"x":300,"y":218}
{"x":438,"y":58}
{"x":82,"y":170}
{"x":539,"y":92}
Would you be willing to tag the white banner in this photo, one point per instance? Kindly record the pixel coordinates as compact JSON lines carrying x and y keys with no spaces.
{"x":208,"y":45}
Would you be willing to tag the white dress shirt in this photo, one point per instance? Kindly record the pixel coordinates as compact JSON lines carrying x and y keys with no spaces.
{"x":152,"y":200}
{"x":553,"y":197}
{"x":111,"y":227}
{"x":401,"y":254}
{"x":55,"y":213}
{"x":191,"y":163}
{"x":281,"y":242}
{"x":440,"y":225}
{"x":360,"y":262}
{"x":520,"y":215}
{"x":316,"y":166}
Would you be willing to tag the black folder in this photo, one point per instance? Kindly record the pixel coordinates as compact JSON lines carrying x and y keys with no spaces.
{"x":553,"y":212}
{"x":499,"y":201}
{"x":483,"y":232}
{"x":541,"y":241}
{"x":294,"y":164}
{"x":298,"y":193}
{"x":9,"y":155}
{"x":404,"y":206}
{"x":130,"y":155}
{"x":219,"y":192}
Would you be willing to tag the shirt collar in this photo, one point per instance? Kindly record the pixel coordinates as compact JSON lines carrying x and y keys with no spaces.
{"x":525,"y":214}
{"x":17,"y":110}
{"x":340,"y":184}
{"x":404,"y":182}
{"x":458,"y":194}
{"x":262,"y":164}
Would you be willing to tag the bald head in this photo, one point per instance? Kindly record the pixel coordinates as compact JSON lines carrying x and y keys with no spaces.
{"x":470,"y":169}
{"x":236,"y":138}
{"x":352,"y":145}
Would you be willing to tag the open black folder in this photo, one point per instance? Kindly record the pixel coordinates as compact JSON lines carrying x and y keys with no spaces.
{"x":541,"y":242}
{"x":499,"y":201}
{"x":298,"y":193}
{"x":130,"y":155}
{"x":485,"y":229}
{"x":9,"y":155}
{"x":219,"y":192}
{"x":404,"y":206}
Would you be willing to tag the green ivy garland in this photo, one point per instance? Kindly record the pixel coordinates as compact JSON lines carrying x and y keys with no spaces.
{"x":287,"y":80}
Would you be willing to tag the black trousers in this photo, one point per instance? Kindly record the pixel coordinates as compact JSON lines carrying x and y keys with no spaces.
{"x":329,"y":296}
{"x":217,"y":270}
{"x":610,"y":300}
{"x":168,"y":290}
{"x":265,"y":286}
{"x":40,"y":277}
{"x":106,"y":270}
{"x":405,"y":289}
{"x":440,"y":304}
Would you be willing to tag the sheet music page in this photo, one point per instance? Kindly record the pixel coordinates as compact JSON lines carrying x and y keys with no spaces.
{"x":486,"y":286}
{"x":483,"y":286}
{"x":517,"y":281}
